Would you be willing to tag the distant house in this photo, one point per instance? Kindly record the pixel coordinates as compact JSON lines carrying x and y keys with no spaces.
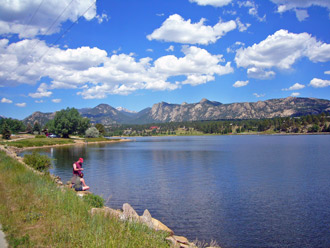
{"x":154,"y":127}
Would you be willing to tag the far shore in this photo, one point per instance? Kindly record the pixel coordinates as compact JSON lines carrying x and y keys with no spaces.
{"x":229,"y":134}
{"x":80,"y":141}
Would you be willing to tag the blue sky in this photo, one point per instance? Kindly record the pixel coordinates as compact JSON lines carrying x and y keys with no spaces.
{"x":68,"y":53}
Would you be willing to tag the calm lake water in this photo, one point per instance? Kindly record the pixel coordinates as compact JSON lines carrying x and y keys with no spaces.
{"x":242,"y":191}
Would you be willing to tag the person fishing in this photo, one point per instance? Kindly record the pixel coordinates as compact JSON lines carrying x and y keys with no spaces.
{"x":80,"y":184}
{"x":77,"y":168}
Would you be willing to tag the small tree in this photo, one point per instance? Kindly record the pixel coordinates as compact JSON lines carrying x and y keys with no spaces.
{"x":92,"y":132}
{"x":36,"y":127}
{"x":29,"y":128}
{"x":6,"y":131}
{"x":68,"y":121}
{"x":101,"y":128}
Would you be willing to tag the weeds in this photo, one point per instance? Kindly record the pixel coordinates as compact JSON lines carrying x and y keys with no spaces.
{"x":38,"y":161}
{"x":94,"y":201}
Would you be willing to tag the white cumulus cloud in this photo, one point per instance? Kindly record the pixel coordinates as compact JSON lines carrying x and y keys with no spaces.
{"x":214,"y":3}
{"x":95,"y":74}
{"x":301,"y":14}
{"x":170,"y":48}
{"x":21,"y":105}
{"x":281,"y":50}
{"x":41,"y":92}
{"x":30,"y":18}
{"x":300,"y":6}
{"x":253,"y":9}
{"x":5,"y":100}
{"x":56,"y":100}
{"x":319,"y":83}
{"x":260,"y":73}
{"x":176,"y":29}
{"x":241,"y":26}
{"x":296,"y":86}
{"x":295,"y":94}
{"x":258,"y":95}
{"x":238,"y":84}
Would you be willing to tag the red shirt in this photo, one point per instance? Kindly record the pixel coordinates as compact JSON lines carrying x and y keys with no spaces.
{"x":78,"y":166}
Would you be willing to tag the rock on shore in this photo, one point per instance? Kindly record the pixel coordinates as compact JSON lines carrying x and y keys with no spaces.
{"x":129,"y":214}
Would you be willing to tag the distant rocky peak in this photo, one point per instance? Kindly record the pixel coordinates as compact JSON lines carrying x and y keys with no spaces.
{"x":103,"y":105}
{"x":121,"y":109}
{"x":204,"y":100}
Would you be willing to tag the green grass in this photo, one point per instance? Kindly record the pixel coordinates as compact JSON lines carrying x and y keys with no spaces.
{"x":35,"y":213}
{"x":38,"y":142}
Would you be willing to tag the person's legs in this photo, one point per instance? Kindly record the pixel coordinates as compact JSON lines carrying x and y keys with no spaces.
{"x":79,"y":189}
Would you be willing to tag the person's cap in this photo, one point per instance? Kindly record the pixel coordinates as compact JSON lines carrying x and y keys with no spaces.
{"x":81,"y":160}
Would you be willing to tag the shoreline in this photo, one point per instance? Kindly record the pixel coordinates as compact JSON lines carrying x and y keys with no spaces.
{"x":76,"y":142}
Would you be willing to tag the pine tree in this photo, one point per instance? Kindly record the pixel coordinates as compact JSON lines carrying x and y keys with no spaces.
{"x":6,"y":131}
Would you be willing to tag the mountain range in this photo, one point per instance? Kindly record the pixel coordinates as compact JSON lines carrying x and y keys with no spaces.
{"x":203,"y":110}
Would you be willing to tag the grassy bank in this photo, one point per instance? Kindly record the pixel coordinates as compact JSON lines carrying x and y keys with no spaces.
{"x":37,"y":142}
{"x":35,"y":213}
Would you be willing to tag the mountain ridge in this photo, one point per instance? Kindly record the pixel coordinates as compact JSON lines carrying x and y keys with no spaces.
{"x":203,"y":110}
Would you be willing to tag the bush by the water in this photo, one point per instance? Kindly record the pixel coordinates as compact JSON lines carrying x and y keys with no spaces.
{"x":95,"y":201}
{"x":92,"y":132}
{"x":38,"y":161}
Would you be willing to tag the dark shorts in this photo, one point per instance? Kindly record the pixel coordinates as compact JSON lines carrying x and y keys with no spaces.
{"x":78,"y":189}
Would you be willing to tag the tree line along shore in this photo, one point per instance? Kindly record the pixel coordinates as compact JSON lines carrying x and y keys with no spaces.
{"x":68,"y":122}
{"x":319,"y":123}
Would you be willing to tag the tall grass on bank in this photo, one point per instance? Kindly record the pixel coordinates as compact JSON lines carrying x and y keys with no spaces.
{"x":35,"y":213}
{"x":38,"y":142}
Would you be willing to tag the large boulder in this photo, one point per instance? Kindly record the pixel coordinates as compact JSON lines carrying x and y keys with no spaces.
{"x":154,"y":223}
{"x":180,"y":242}
{"x":159,"y":226}
{"x":129,"y":213}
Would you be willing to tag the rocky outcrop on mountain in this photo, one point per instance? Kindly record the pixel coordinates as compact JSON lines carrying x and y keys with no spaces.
{"x":208,"y":110}
{"x":203,"y":110}
{"x":105,"y":114}
{"x":41,"y":118}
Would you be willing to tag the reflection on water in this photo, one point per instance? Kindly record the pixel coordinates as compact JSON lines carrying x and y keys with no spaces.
{"x":243,"y":191}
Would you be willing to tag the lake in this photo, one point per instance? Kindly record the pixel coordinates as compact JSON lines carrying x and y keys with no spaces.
{"x":242,"y":191}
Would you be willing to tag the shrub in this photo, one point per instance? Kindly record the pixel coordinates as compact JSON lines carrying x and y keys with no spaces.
{"x":92,"y":132}
{"x":95,"y":201}
{"x":38,"y":161}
